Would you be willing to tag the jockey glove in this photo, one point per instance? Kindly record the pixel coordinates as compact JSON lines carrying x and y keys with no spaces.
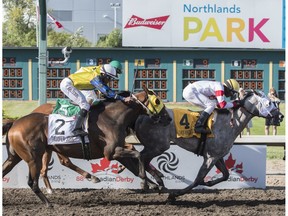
{"x":238,"y":103}
{"x":104,"y":89}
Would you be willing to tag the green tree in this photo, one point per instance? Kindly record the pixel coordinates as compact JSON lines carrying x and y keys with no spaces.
{"x":114,"y":39}
{"x":19,"y":28}
{"x":65,"y":39}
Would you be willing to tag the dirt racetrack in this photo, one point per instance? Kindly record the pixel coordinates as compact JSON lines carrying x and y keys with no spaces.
{"x":270,"y":201}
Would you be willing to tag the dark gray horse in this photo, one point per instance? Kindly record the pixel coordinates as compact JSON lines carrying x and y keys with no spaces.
{"x":156,"y":139}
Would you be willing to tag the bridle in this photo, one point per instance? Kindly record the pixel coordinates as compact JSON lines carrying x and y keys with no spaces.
{"x":261,"y":103}
{"x":151,"y":101}
{"x":142,"y":104}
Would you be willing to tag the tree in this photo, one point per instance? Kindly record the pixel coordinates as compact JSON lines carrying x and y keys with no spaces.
{"x":64,"y":39}
{"x":19,"y":28}
{"x":114,"y":39}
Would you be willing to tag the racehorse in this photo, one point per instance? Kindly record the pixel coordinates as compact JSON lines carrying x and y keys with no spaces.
{"x":107,"y":131}
{"x":157,"y":139}
{"x":65,"y":161}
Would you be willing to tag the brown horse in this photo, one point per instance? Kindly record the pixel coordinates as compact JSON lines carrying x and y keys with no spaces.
{"x":107,"y":131}
{"x":65,"y":161}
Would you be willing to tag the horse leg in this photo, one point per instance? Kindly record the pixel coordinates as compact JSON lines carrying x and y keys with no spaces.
{"x":45,"y":162}
{"x":9,"y":164}
{"x":157,"y":175}
{"x":126,"y":146}
{"x":220,"y":164}
{"x":204,"y":169}
{"x":132,"y":165}
{"x":13,"y":158}
{"x":147,"y":155}
{"x":65,"y":161}
{"x":121,"y":153}
{"x":154,"y":170}
{"x":34,"y":173}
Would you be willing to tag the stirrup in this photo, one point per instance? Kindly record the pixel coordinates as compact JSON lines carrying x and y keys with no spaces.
{"x":202,"y":130}
{"x":79,"y":132}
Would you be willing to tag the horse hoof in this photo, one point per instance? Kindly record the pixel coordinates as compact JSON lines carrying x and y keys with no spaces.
{"x":162,"y":189}
{"x":49,"y":205}
{"x":49,"y":191}
{"x":95,"y":179}
{"x":121,"y":169}
{"x":144,"y":187}
{"x":171,"y":199}
{"x":153,"y":187}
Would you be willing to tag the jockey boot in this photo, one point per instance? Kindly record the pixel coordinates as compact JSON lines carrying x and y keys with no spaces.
{"x":200,"y":126}
{"x":78,"y":130}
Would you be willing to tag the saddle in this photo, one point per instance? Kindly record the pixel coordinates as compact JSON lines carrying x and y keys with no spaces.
{"x":66,"y":108}
{"x":65,"y":112}
{"x":185,"y":120}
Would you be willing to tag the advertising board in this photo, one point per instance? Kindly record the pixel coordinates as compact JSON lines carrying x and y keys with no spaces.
{"x":246,"y":164}
{"x":203,"y":23}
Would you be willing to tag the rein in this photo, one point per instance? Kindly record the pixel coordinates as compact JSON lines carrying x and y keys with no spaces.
{"x":232,"y":113}
{"x":139,"y":102}
{"x":156,"y":118}
{"x":245,"y":98}
{"x":261,"y":104}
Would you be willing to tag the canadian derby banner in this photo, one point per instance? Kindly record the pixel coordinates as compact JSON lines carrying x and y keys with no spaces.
{"x":246,"y":165}
{"x":203,"y":23}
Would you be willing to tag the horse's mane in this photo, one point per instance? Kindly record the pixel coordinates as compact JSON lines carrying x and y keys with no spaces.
{"x":248,"y":93}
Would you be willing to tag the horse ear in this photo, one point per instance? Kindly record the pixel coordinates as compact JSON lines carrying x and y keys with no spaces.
{"x":157,"y":101}
{"x":256,"y":92}
{"x":145,"y":89}
{"x":148,"y":91}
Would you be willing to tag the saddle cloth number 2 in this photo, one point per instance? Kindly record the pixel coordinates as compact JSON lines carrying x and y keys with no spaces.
{"x":59,"y":130}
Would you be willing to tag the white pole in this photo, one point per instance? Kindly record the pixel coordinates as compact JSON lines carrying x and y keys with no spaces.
{"x":115,"y":6}
{"x":115,"y":17}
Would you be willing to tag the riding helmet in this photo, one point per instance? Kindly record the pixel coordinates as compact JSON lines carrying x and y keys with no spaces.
{"x":232,"y":85}
{"x":117,"y":65}
{"x":109,"y":71}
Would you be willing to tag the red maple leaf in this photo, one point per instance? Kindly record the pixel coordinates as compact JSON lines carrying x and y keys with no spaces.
{"x":230,"y":162}
{"x":104,"y":164}
{"x":239,"y":168}
{"x":230,"y":165}
{"x":114,"y":168}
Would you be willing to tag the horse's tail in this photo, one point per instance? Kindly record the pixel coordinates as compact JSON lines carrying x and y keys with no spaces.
{"x":6,"y":127}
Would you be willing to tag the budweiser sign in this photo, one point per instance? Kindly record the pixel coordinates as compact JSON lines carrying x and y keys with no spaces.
{"x":156,"y":22}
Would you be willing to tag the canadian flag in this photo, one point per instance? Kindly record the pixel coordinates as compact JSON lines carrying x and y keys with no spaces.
{"x":56,"y":22}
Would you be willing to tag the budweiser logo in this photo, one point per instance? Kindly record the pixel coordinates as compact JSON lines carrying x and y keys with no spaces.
{"x":156,"y":22}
